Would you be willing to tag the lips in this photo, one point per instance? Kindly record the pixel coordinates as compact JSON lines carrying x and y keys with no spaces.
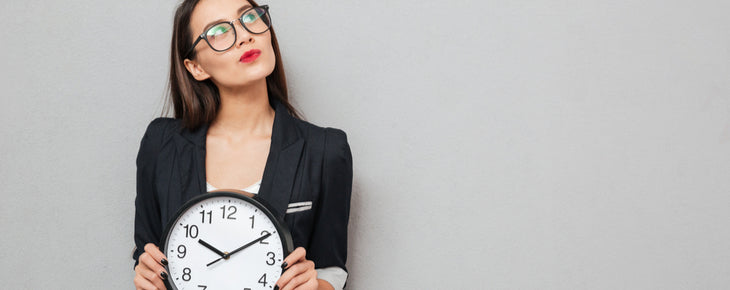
{"x":250,"y":55}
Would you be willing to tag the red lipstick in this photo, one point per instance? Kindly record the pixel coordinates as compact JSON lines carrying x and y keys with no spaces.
{"x":250,"y":55}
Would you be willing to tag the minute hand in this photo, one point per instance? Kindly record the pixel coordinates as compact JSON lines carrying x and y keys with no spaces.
{"x":226,"y":256}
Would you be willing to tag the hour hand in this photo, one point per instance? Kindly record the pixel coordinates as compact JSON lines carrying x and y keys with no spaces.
{"x":211,"y":248}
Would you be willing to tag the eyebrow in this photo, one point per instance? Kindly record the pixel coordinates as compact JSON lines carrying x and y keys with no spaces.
{"x":240,"y":10}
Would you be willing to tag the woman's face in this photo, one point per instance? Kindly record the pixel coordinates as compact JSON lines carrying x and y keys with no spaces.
{"x":228,"y":69}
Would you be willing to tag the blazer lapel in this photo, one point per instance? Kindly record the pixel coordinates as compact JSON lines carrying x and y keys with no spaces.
{"x":197,"y":166}
{"x":281,"y":165}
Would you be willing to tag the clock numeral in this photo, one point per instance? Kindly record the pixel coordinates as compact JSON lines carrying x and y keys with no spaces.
{"x":191,"y":231}
{"x":203,"y":286}
{"x":210,"y":216}
{"x":271,"y":256}
{"x":263,"y":233}
{"x":231,"y":211}
{"x":186,"y":275}
{"x":251,"y":218}
{"x":262,"y":280}
{"x":181,"y":251}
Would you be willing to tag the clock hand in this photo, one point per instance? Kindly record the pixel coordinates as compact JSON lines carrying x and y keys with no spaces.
{"x":248,"y":245}
{"x":211,"y":247}
{"x":226,"y":256}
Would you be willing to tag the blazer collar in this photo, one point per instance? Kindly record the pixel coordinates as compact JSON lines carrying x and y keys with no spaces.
{"x":281,"y":165}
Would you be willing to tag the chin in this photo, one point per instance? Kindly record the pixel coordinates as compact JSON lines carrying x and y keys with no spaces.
{"x":247,"y":79}
{"x":259,"y":73}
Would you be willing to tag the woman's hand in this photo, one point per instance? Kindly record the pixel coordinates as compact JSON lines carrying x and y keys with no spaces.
{"x":149,"y":271}
{"x":299,"y":272}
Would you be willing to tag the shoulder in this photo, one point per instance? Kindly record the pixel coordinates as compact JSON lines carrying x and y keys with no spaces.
{"x":337,"y":154}
{"x":162,"y":127}
{"x":331,"y":143}
{"x":328,"y":136}
{"x":161,"y":130}
{"x":158,"y":132}
{"x":335,"y":144}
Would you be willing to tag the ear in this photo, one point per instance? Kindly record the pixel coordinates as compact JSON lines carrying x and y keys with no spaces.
{"x":196,"y":70}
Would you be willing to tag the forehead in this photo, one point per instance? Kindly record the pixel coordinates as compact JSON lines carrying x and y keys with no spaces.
{"x":211,"y":10}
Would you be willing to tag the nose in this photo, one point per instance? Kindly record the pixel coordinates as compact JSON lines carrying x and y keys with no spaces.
{"x":244,"y":37}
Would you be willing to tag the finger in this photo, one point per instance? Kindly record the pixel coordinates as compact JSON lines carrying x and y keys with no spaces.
{"x":294,"y":275}
{"x":311,"y":284}
{"x":155,"y":259}
{"x":287,"y":277}
{"x":152,"y":265}
{"x":147,"y":279}
{"x":150,"y":276}
{"x":295,"y":282}
{"x":299,"y":254}
{"x":159,"y":283}
{"x":142,"y":283}
{"x":151,"y":270}
{"x":303,"y":280}
{"x":156,"y":253}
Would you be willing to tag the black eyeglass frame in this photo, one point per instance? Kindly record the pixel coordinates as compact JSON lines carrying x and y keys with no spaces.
{"x":204,"y":35}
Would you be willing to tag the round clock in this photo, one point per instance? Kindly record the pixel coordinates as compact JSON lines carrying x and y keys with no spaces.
{"x":225,"y":240}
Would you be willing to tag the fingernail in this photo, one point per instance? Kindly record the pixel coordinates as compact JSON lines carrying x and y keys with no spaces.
{"x":163,"y":275}
{"x":164,"y":261}
{"x":283,"y":266}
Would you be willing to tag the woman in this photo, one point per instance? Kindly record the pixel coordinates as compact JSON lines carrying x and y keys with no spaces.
{"x":234,"y":128}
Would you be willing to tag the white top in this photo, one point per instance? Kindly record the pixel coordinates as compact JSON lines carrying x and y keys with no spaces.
{"x":253,"y":188}
{"x":336,"y":276}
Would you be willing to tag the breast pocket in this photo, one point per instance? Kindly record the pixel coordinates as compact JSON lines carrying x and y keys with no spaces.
{"x":299,"y":206}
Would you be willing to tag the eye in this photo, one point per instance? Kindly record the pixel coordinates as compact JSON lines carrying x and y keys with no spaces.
{"x":218,"y":30}
{"x":250,"y":17}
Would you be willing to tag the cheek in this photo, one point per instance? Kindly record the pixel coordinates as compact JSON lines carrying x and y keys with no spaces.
{"x":214,"y":64}
{"x":268,"y":57}
{"x":271,"y":58}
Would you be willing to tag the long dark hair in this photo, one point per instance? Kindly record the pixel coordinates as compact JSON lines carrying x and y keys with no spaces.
{"x":196,"y":102}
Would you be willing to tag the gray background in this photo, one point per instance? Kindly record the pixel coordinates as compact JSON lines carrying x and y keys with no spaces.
{"x":496,"y":144}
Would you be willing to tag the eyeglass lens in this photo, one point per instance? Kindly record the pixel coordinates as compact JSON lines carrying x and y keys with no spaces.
{"x":222,"y":35}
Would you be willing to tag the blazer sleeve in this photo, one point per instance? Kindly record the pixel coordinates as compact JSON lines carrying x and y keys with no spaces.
{"x":328,"y":245}
{"x":147,"y":225}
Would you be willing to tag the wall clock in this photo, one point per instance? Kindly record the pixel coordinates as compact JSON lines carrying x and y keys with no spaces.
{"x":225,"y":240}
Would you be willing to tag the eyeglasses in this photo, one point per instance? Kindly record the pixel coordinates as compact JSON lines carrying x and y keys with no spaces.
{"x":222,"y":36}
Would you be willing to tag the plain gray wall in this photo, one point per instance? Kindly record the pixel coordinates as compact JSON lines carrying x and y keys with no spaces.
{"x":496,"y":144}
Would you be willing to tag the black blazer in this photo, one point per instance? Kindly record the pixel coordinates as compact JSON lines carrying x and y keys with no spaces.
{"x":306,"y":163}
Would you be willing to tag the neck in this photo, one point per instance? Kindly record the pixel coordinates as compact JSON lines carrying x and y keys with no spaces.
{"x":244,"y":110}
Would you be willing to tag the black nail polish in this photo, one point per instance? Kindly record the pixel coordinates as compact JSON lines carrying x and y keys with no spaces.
{"x":163,"y":275}
{"x":283,"y":266}
{"x":164,"y":261}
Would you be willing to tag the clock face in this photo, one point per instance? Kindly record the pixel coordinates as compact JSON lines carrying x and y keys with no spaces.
{"x":225,"y":240}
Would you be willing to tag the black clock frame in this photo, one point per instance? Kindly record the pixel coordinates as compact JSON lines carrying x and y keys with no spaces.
{"x":284,"y":234}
